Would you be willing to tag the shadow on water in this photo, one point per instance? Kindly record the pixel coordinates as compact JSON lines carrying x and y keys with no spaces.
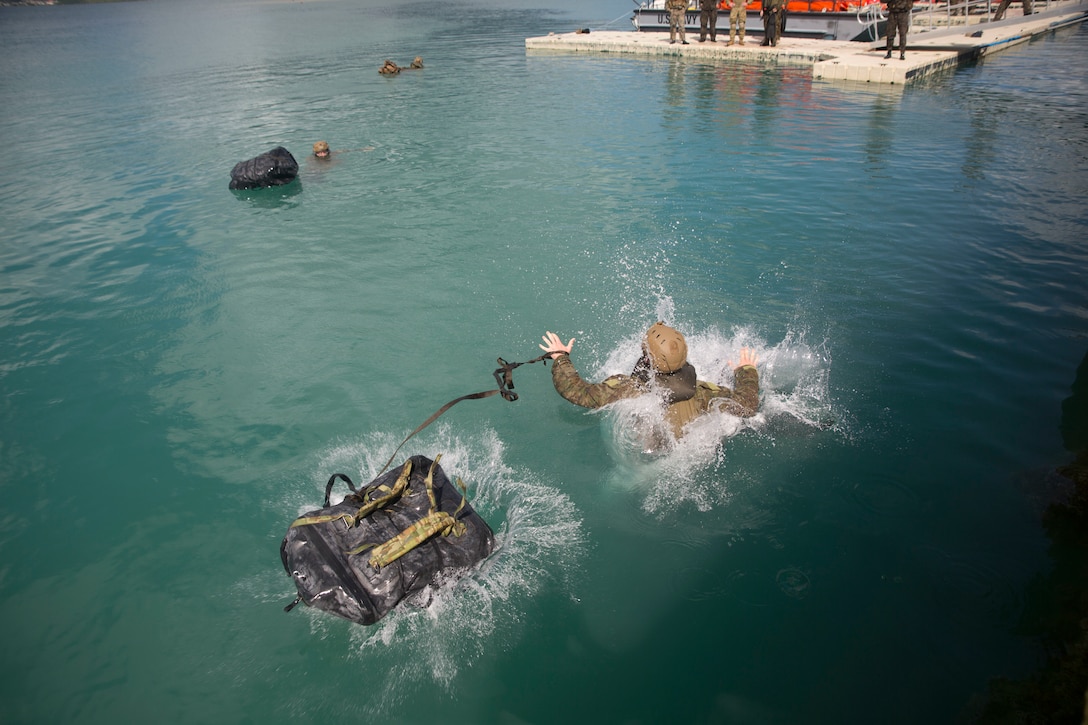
{"x":1056,"y":605}
{"x":270,"y":197}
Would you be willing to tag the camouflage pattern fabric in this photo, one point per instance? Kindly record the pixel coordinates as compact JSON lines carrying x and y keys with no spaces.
{"x":742,"y":401}
{"x":436,"y":522}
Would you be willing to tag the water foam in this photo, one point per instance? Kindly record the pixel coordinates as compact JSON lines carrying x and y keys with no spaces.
{"x":794,"y":391}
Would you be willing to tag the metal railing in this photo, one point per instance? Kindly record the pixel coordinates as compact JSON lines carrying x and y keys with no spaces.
{"x":871,"y":16}
{"x":936,"y":15}
{"x":930,"y":16}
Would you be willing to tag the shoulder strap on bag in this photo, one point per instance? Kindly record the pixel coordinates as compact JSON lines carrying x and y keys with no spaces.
{"x":435,"y":522}
{"x":370,"y":505}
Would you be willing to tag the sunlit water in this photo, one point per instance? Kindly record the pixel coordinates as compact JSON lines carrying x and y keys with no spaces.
{"x":183,"y":367}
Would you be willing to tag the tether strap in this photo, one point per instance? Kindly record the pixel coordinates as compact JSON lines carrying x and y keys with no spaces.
{"x":503,"y":376}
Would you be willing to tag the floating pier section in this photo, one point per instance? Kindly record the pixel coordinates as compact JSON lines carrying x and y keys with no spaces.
{"x":928,"y":51}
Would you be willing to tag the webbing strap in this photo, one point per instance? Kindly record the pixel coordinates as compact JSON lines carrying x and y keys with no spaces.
{"x":391,"y":495}
{"x":311,"y":520}
{"x":428,"y":483}
{"x":435,"y":522}
{"x":503,"y":376}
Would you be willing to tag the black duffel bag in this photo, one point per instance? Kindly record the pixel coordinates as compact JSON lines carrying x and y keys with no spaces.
{"x":407,"y":530}
{"x":272,"y":168}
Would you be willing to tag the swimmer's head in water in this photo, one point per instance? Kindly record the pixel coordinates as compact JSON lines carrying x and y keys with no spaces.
{"x":321,"y":149}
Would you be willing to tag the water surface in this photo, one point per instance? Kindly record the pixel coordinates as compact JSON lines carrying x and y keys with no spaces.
{"x":183,"y":367}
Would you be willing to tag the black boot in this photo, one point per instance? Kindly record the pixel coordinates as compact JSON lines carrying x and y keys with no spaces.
{"x":888,"y":54}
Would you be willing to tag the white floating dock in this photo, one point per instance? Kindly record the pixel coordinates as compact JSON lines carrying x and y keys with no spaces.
{"x":927,"y":52}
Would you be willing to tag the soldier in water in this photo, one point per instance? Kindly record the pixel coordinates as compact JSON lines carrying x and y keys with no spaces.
{"x":663,"y":367}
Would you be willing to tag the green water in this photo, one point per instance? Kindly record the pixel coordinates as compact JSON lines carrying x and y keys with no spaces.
{"x":183,"y":366}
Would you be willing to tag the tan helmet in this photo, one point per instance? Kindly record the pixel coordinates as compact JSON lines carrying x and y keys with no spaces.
{"x":667,"y":349}
{"x":321,"y":148}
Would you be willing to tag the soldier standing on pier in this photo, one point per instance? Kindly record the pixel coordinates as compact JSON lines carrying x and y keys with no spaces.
{"x":898,"y":21}
{"x":708,"y":17}
{"x":1026,"y":4}
{"x":772,"y":21}
{"x":677,"y":22}
{"x":738,"y":13}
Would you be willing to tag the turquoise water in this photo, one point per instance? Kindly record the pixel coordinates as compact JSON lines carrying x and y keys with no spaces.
{"x":183,"y":367}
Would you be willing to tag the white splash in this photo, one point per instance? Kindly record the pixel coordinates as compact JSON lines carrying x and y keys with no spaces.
{"x":793,"y":388}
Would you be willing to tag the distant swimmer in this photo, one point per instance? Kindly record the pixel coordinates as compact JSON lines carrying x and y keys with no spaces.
{"x":389,"y":68}
{"x":323,"y":155}
{"x":664,"y":368}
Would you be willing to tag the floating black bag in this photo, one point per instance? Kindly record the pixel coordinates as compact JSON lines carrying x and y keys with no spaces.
{"x":406,"y":530}
{"x":273,"y":168}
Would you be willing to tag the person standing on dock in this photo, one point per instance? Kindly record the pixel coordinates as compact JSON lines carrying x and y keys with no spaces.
{"x":738,"y":13}
{"x":898,"y":21}
{"x":772,"y":21}
{"x":677,"y":21}
{"x":1005,"y":6}
{"x":708,"y":18}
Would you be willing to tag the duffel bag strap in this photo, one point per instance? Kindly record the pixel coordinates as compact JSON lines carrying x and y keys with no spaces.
{"x":435,"y":522}
{"x":332,"y":480}
{"x":391,"y":494}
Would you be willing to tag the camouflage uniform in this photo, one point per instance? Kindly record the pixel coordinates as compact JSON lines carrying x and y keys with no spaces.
{"x":738,"y":15}
{"x":1005,"y":5}
{"x":708,"y":19}
{"x":898,"y":21}
{"x":772,"y":21}
{"x":743,"y":401}
{"x":677,"y":20}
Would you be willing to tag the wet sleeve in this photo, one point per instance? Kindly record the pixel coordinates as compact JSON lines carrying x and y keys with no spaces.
{"x":570,"y":385}
{"x":743,"y":399}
